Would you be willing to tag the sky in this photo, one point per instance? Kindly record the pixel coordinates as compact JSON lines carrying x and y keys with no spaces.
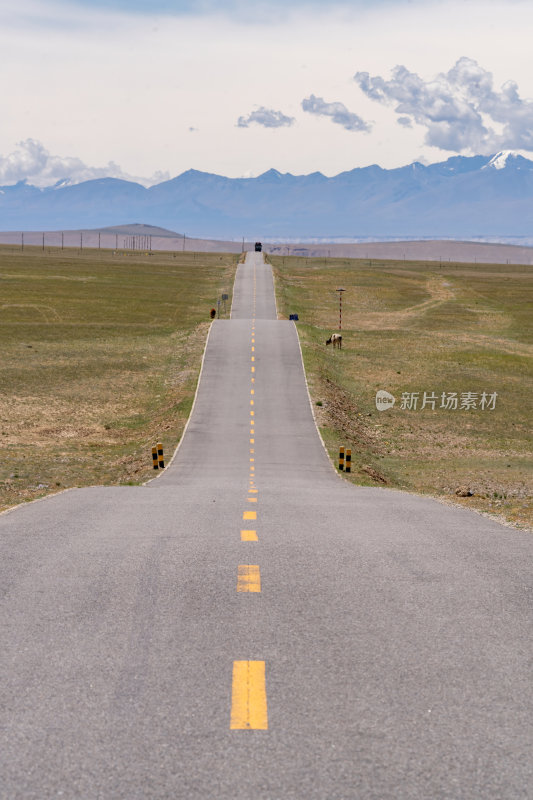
{"x":147,"y":89}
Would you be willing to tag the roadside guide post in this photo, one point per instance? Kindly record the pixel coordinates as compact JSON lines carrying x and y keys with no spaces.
{"x":348,"y":460}
{"x":340,"y":290}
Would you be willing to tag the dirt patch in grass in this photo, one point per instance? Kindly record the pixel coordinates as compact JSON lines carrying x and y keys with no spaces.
{"x":410,"y":328}
{"x":100,"y":358}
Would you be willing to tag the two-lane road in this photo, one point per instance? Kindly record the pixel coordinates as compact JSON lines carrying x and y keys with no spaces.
{"x":248,"y":625}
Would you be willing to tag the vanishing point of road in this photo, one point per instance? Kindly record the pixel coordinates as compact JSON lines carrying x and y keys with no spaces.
{"x":249,"y":625}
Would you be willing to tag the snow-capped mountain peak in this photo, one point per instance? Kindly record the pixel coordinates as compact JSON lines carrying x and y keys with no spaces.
{"x":499,"y":161}
{"x":507,"y":158}
{"x":62,"y":182}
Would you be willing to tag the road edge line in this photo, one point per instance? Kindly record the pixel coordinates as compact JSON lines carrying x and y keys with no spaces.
{"x":46,"y":497}
{"x":332,"y":464}
{"x":191,"y":412}
{"x":275,"y":296}
{"x":233,"y":290}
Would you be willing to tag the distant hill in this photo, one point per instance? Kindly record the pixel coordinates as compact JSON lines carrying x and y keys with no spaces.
{"x":138,"y":229}
{"x":461,"y":198}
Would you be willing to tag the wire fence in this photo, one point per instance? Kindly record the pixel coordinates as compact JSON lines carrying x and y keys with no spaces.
{"x":444,"y":250}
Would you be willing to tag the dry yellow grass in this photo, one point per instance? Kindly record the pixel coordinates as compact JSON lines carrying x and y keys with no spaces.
{"x":100,"y":358}
{"x":415,"y":327}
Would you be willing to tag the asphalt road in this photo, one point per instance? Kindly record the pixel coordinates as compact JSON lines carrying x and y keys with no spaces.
{"x":159,"y":642}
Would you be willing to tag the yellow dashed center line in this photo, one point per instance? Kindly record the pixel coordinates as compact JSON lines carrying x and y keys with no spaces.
{"x":248,"y":696}
{"x":248,"y":578}
{"x":249,"y":514}
{"x":249,"y":536}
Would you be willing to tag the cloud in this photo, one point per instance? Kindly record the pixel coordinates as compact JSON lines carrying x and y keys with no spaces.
{"x":460,"y":109}
{"x":32,"y":162}
{"x":266,"y":117}
{"x":260,"y":8}
{"x":338,"y":113}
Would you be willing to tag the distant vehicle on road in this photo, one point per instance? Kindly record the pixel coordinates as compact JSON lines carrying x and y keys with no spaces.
{"x":258,"y":247}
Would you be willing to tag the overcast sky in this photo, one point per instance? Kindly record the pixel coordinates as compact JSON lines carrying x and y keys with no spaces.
{"x":151,"y":88}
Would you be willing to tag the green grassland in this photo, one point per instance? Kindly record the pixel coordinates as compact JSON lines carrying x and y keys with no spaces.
{"x":415,"y":327}
{"x":100,"y":355}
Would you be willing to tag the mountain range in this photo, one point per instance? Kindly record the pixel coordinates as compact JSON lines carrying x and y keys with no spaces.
{"x":462,"y":197}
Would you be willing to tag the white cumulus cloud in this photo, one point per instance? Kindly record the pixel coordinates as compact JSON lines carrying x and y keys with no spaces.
{"x":460,"y":109}
{"x":32,"y":162}
{"x":338,"y":113}
{"x":266,"y":117}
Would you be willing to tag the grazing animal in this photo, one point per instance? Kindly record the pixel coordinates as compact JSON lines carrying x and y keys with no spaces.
{"x":336,"y":340}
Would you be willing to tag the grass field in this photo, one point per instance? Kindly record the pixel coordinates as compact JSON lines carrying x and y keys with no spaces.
{"x":100,"y":355}
{"x":410,"y":328}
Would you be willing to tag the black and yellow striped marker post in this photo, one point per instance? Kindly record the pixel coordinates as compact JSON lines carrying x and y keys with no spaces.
{"x":160,"y":456}
{"x":348,"y":460}
{"x":341,"y":458}
{"x":154,"y":458}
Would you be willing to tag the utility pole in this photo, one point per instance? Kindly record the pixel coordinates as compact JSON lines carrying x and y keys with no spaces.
{"x":340,"y":290}
{"x":43,"y":241}
{"x":62,"y":240}
{"x":22,"y":241}
{"x":99,"y":240}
